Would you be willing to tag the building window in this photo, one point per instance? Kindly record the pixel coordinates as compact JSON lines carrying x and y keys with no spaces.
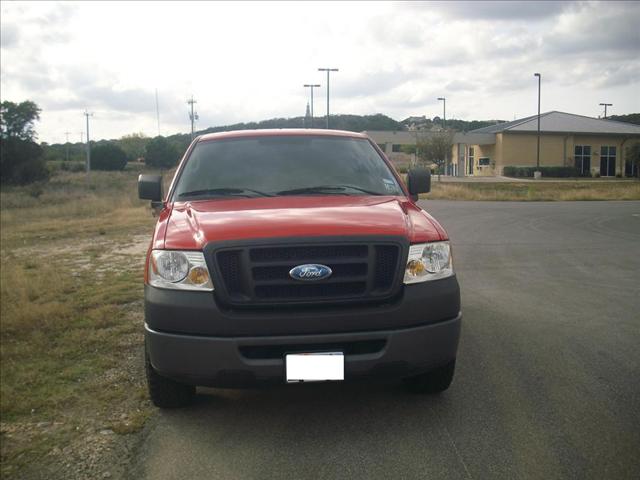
{"x":395,"y":148}
{"x":485,"y":161}
{"x":582,"y":154}
{"x":607,"y":161}
{"x":471,"y":152}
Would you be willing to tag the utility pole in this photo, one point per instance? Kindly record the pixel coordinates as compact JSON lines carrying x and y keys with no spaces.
{"x":328,"y":70}
{"x":81,"y":137}
{"x":605,"y":105}
{"x":311,"y":87}
{"x":87,"y":114}
{"x":67,"y":144}
{"x":158,"y":112}
{"x":444,"y":112}
{"x":193,"y":116}
{"x":538,"y":150}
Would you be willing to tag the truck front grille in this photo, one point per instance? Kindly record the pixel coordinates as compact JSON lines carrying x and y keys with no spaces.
{"x":258,"y":275}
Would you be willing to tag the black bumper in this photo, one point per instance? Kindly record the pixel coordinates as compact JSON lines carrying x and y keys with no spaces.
{"x":191,"y":339}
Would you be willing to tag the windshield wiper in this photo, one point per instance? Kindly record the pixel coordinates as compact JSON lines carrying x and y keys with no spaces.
{"x":222,"y":192}
{"x":332,"y":189}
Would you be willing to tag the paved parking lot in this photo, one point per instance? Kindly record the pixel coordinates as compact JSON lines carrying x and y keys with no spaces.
{"x":547,"y":386}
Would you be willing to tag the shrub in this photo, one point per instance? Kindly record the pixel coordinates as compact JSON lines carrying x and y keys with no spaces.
{"x":551,"y":172}
{"x":21,"y":161}
{"x":160,"y":153}
{"x":108,"y":157}
{"x":72,"y":166}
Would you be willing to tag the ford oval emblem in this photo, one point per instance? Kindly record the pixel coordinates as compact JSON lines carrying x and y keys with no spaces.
{"x":310,"y":272}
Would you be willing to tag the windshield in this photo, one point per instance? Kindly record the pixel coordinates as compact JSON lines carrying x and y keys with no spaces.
{"x":285,"y":165}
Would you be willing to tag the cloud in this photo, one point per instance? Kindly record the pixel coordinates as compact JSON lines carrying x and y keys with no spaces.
{"x":9,"y":36}
{"x":501,"y":10}
{"x":107,"y":98}
{"x":394,"y":58}
{"x":460,"y":85}
{"x":617,"y":75}
{"x":369,"y":83}
{"x":591,"y":31}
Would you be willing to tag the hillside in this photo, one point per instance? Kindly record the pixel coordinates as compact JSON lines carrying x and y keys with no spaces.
{"x":354,"y":123}
{"x":629,"y":118}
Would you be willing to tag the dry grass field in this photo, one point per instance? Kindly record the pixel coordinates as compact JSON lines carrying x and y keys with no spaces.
{"x":71,"y":317}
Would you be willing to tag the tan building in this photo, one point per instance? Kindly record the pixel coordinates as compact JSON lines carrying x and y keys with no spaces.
{"x":591,"y":145}
{"x":391,"y":143}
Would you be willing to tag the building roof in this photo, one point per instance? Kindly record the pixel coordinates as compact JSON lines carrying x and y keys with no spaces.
{"x":411,"y":137}
{"x":561,"y":122}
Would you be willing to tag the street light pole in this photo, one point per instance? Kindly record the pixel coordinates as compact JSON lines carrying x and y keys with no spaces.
{"x":87,"y":114}
{"x":605,"y":105}
{"x":444,"y":111}
{"x":538,"y":150}
{"x":311,"y":87}
{"x":328,"y":70}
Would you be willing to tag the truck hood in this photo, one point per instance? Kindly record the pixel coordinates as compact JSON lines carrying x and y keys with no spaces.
{"x":191,"y":225}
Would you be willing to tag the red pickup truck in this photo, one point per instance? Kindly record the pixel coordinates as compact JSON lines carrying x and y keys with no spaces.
{"x":287,"y":256}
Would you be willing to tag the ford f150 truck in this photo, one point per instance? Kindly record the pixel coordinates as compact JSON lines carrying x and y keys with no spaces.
{"x":284,"y":256}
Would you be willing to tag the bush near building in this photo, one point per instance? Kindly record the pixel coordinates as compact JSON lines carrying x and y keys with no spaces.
{"x":551,"y":172}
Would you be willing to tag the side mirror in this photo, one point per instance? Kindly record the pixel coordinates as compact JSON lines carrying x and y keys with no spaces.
{"x":150,"y":187}
{"x":418,"y":181}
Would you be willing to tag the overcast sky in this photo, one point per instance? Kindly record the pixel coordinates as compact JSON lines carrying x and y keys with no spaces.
{"x":248,"y":61}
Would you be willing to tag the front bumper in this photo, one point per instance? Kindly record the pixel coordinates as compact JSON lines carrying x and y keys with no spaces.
{"x":201,"y":314}
{"x":192,"y":339}
{"x":220,"y":362}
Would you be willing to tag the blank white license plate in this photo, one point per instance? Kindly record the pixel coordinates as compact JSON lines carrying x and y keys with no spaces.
{"x":314,"y":367}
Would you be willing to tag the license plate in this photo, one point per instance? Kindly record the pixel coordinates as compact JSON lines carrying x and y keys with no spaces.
{"x":314,"y":367}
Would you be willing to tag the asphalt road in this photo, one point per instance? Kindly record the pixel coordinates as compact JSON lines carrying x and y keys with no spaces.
{"x":547,"y":385}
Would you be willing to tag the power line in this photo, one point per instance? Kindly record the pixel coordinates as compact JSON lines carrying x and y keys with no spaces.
{"x":193,"y":116}
{"x":67,"y":144}
{"x":605,"y":105}
{"x":87,"y":114}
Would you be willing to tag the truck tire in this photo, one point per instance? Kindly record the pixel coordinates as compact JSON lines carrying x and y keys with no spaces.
{"x":164,"y":392}
{"x":435,"y":381}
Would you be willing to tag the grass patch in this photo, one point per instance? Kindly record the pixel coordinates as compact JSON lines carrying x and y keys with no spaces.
{"x":530,"y":191}
{"x":71,"y":314}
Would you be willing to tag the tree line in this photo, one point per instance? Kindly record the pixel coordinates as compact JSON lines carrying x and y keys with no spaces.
{"x":23,"y":159}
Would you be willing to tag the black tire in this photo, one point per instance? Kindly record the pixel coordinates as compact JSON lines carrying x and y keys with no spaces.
{"x":435,"y":381}
{"x":167,"y":393}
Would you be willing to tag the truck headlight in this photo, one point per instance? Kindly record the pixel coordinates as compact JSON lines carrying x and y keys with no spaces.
{"x":428,"y":261}
{"x":179,"y":270}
